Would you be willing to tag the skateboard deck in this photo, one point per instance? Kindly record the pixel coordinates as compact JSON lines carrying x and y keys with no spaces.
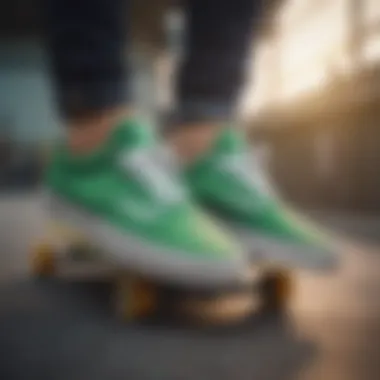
{"x":136,"y":298}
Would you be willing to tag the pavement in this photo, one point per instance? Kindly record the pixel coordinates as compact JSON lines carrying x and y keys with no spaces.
{"x":62,"y":331}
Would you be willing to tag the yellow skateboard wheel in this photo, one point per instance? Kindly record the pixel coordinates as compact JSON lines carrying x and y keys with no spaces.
{"x":43,"y":261}
{"x":283,"y":287}
{"x":277,"y":289}
{"x":135,"y":298}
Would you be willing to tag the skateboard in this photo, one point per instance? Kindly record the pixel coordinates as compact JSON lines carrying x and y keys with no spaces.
{"x":137,"y":298}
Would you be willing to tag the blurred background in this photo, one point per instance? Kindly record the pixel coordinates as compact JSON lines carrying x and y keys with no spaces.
{"x":311,"y":105}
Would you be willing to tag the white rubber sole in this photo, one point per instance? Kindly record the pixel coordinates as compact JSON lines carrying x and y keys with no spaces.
{"x":281,"y":253}
{"x":145,"y":258}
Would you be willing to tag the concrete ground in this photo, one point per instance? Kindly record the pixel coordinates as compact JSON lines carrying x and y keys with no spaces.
{"x":61,"y":331}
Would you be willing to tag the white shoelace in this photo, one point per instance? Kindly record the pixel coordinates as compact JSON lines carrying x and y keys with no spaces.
{"x":155,"y":169}
{"x":246,"y":167}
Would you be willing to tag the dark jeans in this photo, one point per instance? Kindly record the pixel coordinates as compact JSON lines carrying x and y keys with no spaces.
{"x":88,"y":39}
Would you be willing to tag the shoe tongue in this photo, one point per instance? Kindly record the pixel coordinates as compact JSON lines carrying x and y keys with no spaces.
{"x":127,"y":135}
{"x":133,"y":134}
{"x":230,"y":141}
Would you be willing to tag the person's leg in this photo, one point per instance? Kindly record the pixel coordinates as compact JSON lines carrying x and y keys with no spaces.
{"x":86,"y":43}
{"x":218,"y":40}
{"x":220,"y":173}
{"x":107,"y":180}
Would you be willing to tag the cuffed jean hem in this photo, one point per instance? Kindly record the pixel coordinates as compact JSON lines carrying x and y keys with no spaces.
{"x":81,"y":99}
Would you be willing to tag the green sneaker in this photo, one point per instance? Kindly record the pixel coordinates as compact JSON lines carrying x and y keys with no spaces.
{"x":126,"y":201}
{"x":228,"y":182}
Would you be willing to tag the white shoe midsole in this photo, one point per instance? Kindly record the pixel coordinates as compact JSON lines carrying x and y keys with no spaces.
{"x":145,"y":258}
{"x":276,"y":252}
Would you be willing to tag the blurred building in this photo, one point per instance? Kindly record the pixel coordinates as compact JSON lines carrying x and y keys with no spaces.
{"x":316,"y":102}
